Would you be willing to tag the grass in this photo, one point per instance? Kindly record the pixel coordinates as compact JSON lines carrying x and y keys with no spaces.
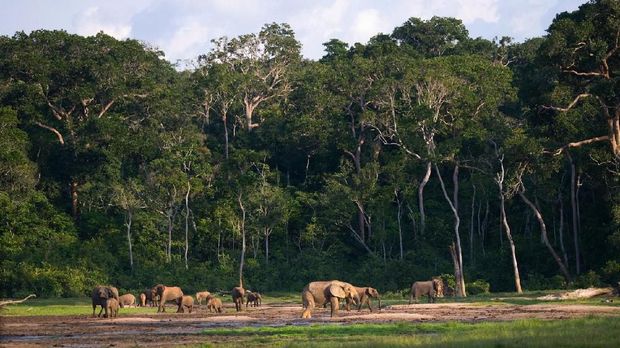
{"x":591,"y":332}
{"x":64,"y":306}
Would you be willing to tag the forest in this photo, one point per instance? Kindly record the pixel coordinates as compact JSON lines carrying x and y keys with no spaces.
{"x":422,"y":152}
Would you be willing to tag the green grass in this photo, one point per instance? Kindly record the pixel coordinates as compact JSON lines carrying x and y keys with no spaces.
{"x":591,"y":332}
{"x":64,"y":306}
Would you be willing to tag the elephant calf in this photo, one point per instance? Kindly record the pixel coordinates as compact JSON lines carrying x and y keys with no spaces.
{"x":202,"y":296}
{"x":254,"y":298}
{"x":111,"y":308}
{"x":100,"y":295}
{"x":433,"y":288}
{"x":214,"y":304}
{"x":127,"y":300}
{"x":365,"y":294}
{"x":187,"y":302}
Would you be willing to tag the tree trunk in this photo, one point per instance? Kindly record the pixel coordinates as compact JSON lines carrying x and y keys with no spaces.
{"x":573,"y":201}
{"x":427,"y":176}
{"x":242,"y":230}
{"x":458,"y":274}
{"x":543,"y":231}
{"x":187,"y":223}
{"x":169,"y":247}
{"x":457,"y":221}
{"x":74,"y":198}
{"x":224,"y":120}
{"x":561,"y":228}
{"x":267,"y":233}
{"x":471,"y":225}
{"x":399,"y":213}
{"x":128,"y":221}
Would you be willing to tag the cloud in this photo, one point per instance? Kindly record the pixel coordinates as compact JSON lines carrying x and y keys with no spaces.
{"x":472,"y":10}
{"x":187,"y":39}
{"x":367,"y":24}
{"x":530,"y":23}
{"x":94,"y":20}
{"x":317,"y":25}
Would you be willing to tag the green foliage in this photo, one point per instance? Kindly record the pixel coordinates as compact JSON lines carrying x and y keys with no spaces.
{"x":116,"y":168}
{"x":588,"y":280}
{"x":478,"y":287}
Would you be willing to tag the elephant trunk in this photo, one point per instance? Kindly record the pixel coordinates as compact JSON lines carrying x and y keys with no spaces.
{"x":379,"y":299}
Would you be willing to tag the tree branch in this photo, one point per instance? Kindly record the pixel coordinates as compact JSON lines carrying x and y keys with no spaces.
{"x":53,"y":130}
{"x":571,"y":105}
{"x":580,"y":143}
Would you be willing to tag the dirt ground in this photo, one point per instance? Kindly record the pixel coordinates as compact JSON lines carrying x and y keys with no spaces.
{"x":168,"y":329}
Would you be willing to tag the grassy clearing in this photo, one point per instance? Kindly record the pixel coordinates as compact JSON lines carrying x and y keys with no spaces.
{"x":65,"y":306}
{"x":592,"y":331}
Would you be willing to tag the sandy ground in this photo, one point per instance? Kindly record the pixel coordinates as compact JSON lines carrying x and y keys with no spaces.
{"x":156,"y":330}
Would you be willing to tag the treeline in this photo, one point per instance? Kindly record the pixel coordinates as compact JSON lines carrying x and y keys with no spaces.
{"x":422,"y":152}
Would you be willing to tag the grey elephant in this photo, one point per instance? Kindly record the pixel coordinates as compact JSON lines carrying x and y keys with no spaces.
{"x":187,"y":302}
{"x":237,"y":296}
{"x":322,"y":292}
{"x":148,"y":297}
{"x":365,"y":294}
{"x":202,"y":295}
{"x":214,"y":304}
{"x":168,"y":293}
{"x":100,"y":295}
{"x":111,"y":308}
{"x":433,"y":288}
{"x":127,"y":300}
{"x":254,"y":298}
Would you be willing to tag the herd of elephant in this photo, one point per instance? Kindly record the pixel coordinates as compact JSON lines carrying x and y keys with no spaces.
{"x":319,"y":293}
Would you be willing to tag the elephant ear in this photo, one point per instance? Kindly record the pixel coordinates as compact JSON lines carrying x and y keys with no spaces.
{"x":337,"y":291}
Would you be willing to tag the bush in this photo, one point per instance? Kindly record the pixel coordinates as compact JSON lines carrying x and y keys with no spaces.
{"x":611,"y":273}
{"x":478,"y":287}
{"x":588,"y":280}
{"x":536,"y":281}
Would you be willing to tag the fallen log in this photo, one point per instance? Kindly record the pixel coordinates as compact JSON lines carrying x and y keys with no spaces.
{"x":578,"y":294}
{"x":10,"y":302}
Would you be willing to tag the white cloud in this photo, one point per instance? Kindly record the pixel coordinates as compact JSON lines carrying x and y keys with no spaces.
{"x":94,"y":20}
{"x":189,"y":38}
{"x":367,"y":24}
{"x":317,"y":25}
{"x":530,"y":23}
{"x":471,"y":10}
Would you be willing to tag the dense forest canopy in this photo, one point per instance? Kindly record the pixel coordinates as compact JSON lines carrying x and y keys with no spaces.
{"x":423,"y":152}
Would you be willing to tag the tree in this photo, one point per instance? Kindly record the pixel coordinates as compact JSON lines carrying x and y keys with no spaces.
{"x":582,"y":47}
{"x":431,"y":38}
{"x":262,"y":63}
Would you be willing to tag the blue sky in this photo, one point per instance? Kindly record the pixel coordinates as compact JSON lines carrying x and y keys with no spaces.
{"x":184,"y":28}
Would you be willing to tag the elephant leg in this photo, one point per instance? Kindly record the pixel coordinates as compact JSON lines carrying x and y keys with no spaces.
{"x":334,"y":302}
{"x":308,"y":301}
{"x":94,"y":309}
{"x":100,"y":311}
{"x":180,"y":303}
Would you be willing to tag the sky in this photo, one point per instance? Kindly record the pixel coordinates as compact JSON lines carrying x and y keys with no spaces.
{"x":183,"y":29}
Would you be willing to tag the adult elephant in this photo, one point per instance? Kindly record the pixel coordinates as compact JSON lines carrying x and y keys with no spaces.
{"x":238,"y":293}
{"x":365,"y":294}
{"x":100,"y":296}
{"x":127,"y":300}
{"x":433,"y":288}
{"x":166,"y":294}
{"x":322,"y":292}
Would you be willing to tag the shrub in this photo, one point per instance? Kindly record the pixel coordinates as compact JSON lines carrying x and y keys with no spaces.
{"x":588,"y":280}
{"x":478,"y":287}
{"x":611,"y":273}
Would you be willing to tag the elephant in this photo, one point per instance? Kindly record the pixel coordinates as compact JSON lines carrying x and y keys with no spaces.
{"x":168,"y":293}
{"x":147,"y":297}
{"x":365,"y":294}
{"x":237,"y":296}
{"x":433,"y":288}
{"x":320,"y":292}
{"x":214,"y":304}
{"x":202,"y":296}
{"x":127,"y":300}
{"x":255,"y":298}
{"x":100,"y":295}
{"x":187,"y":302}
{"x":111,"y":308}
